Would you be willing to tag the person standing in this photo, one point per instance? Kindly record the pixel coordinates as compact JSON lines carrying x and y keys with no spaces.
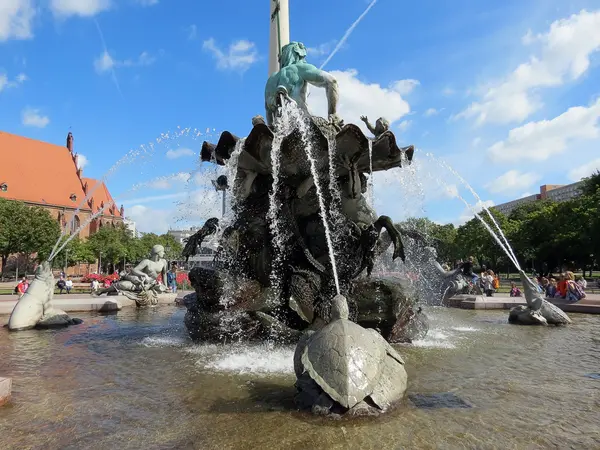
{"x":172,"y":278}
{"x":488,"y":283}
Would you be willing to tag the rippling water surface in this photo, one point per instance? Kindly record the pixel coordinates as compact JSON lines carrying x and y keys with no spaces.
{"x":134,"y":380}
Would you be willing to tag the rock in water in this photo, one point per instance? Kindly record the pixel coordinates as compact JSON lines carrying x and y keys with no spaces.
{"x":35,"y":309}
{"x":538,"y":311}
{"x":347,"y":369}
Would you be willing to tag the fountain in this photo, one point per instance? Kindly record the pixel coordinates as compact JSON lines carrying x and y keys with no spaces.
{"x":302,"y":230}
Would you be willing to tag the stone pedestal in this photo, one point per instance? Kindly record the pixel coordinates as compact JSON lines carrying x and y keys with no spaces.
{"x":5,"y":390}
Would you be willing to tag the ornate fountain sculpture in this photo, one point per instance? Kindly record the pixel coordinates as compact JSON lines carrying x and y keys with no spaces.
{"x":273,"y":272}
{"x":35,"y":308}
{"x":141,"y":282}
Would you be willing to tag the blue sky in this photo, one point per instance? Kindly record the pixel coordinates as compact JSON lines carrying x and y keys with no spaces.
{"x":504,"y":91}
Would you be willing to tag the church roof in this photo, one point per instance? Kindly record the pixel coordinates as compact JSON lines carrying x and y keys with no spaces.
{"x":101,"y":197}
{"x":38,"y":172}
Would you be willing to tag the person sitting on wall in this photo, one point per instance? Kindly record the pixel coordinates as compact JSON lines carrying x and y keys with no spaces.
{"x":514,"y":290}
{"x":61,"y":285}
{"x":551,"y":288}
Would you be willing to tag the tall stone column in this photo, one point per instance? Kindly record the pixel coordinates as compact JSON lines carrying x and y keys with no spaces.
{"x":279,"y":34}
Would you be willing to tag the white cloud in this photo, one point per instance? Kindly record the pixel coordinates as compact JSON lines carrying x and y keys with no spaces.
{"x":432,"y":112}
{"x":513,"y":181}
{"x":82,"y":161}
{"x":450,"y":191}
{"x":106,"y":63}
{"x":538,"y":141}
{"x":31,"y":117}
{"x":168,"y":181}
{"x":192,"y":32}
{"x":321,"y":50}
{"x":179,"y":152}
{"x":150,"y":220}
{"x":564,"y":56}
{"x":16,"y":17}
{"x":154,"y":198}
{"x":5,"y":83}
{"x":584,"y":170}
{"x":404,"y":125}
{"x":360,"y":98}
{"x":81,"y":8}
{"x":404,"y":87}
{"x":468,"y":213}
{"x":240,"y":55}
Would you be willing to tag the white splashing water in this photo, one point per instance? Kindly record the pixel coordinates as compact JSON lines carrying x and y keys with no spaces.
{"x":305,"y":133}
{"x":130,"y":157}
{"x":283,"y":129}
{"x":260,"y":359}
{"x":506,"y":245}
{"x":164,"y":341}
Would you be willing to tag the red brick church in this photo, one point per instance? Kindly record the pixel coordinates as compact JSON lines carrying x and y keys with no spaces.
{"x":47,"y":175}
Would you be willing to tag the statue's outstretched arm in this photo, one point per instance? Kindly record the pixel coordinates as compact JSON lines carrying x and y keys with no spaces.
{"x":368,"y":124}
{"x":139,"y":269}
{"x":320,"y":78}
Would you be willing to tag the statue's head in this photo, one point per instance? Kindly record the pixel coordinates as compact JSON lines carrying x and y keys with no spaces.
{"x":158,"y":250}
{"x":382,"y":124}
{"x":292,"y":53}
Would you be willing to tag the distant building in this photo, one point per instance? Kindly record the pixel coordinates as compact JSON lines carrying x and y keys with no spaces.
{"x":48,"y":175}
{"x":131,"y":226}
{"x":554,"y":192}
{"x":207,"y":249}
{"x":181,"y":235}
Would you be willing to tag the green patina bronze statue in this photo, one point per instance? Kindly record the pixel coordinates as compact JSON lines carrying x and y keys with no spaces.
{"x":292,"y":82}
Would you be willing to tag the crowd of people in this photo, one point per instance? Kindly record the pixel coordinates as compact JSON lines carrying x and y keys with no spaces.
{"x":566,"y":287}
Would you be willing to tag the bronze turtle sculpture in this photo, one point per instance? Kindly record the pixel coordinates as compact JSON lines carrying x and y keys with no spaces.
{"x":345,"y":368}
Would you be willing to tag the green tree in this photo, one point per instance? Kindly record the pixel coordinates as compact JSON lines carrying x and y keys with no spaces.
{"x":110,"y":245}
{"x":29,"y":230}
{"x":474,"y":239}
{"x":172,"y":246}
{"x":75,"y":252}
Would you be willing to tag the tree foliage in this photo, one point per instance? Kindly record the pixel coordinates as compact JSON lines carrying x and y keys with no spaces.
{"x":32,"y":232}
{"x":544,"y":235}
{"x":27,"y":230}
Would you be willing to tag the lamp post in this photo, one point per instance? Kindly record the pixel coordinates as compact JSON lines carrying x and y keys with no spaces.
{"x":100,"y":263}
{"x":220,"y":184}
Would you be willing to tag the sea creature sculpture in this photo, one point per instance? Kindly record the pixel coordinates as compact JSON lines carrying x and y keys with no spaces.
{"x":34,"y":309}
{"x":140,"y":282}
{"x":538,"y":311}
{"x":347,"y":369}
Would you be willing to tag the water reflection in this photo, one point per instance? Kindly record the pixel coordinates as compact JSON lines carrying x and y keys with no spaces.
{"x":134,"y":380}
